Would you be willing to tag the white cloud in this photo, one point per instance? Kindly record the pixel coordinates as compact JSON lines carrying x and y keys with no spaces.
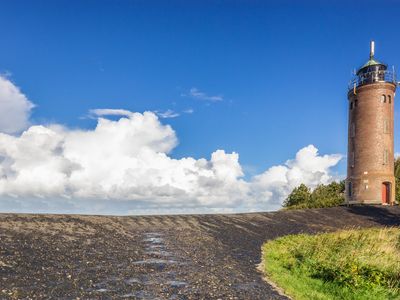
{"x":197,"y":94}
{"x":124,"y":166}
{"x":189,"y":111}
{"x":128,"y":160}
{"x":15,"y":108}
{"x":99,"y":112}
{"x":168,"y":114}
{"x":308,"y":167}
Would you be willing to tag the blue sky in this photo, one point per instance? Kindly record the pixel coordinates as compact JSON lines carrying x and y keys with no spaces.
{"x":280,"y":67}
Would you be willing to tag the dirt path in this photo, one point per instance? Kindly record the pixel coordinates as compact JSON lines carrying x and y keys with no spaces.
{"x":155,"y":257}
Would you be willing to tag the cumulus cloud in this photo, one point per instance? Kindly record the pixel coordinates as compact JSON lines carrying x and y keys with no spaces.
{"x":308,"y":167}
{"x":127,"y":160}
{"x":124,"y":166}
{"x":197,"y":94}
{"x":15,"y":108}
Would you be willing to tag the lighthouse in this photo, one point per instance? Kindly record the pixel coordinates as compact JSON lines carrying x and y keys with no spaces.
{"x":370,"y":160}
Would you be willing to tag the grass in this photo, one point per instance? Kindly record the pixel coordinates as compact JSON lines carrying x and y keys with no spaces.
{"x":350,"y":264}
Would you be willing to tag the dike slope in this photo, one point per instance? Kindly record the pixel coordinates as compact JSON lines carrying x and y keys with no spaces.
{"x":155,"y":257}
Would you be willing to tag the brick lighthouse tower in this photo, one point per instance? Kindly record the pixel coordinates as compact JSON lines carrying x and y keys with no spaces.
{"x":370,"y":160}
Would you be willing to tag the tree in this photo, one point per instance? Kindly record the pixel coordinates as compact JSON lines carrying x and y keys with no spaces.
{"x":322,"y":196}
{"x":300,"y":195}
{"x":328,"y":195}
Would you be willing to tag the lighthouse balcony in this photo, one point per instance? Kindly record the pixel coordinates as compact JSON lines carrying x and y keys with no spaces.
{"x":372,"y":76}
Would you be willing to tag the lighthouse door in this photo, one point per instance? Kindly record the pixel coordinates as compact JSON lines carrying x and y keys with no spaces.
{"x":386,"y":193}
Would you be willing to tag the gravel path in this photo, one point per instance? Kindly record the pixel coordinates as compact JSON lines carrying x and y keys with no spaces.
{"x":155,"y":257}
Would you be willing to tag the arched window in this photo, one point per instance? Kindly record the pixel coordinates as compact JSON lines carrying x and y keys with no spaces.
{"x":355,"y":103}
{"x":383,"y":99}
{"x":351,"y":105}
{"x":389,"y":99}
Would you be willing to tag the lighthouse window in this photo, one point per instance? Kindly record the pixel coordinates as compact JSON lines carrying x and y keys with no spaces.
{"x":386,"y":126}
{"x":383,"y":99}
{"x":385,"y":157}
{"x":351,"y":105}
{"x":350,"y":190}
{"x":355,"y":103}
{"x":390,"y":99}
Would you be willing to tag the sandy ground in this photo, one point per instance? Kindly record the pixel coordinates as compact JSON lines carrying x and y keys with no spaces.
{"x":155,"y":257}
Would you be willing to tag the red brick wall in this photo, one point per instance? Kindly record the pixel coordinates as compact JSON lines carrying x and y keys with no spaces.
{"x":368,"y":141}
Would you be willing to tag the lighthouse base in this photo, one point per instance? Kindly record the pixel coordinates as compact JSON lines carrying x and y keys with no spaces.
{"x":370,"y":190}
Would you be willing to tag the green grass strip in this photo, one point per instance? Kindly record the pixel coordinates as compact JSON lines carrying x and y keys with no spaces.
{"x":350,"y":264}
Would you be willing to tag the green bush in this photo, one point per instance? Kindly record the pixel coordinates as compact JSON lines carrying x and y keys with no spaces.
{"x":322,"y":196}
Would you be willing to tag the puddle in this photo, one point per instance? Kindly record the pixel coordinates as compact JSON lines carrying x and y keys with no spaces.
{"x":152,"y":234}
{"x":155,"y":261}
{"x":155,"y":246}
{"x":100,"y":287}
{"x":157,"y":257}
{"x":154,"y":240}
{"x":158,"y":253}
{"x":153,"y":237}
{"x":112,"y":278}
{"x":142,"y":280}
{"x":177,"y":284}
{"x":133,"y":280}
{"x":142,"y":295}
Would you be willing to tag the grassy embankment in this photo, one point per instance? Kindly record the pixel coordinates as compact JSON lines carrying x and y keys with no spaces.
{"x":350,"y":264}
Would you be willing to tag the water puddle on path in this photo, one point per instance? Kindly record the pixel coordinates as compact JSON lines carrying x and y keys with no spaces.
{"x":159,"y":252}
{"x":155,"y":261}
{"x":161,"y":277}
{"x":154,"y":275}
{"x":175,"y":283}
{"x":142,"y":295}
{"x":154,"y":240}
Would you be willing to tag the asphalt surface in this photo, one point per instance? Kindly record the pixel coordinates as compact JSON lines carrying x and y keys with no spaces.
{"x":155,"y":257}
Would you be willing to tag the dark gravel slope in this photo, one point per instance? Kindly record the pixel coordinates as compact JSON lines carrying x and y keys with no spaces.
{"x":155,"y":257}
